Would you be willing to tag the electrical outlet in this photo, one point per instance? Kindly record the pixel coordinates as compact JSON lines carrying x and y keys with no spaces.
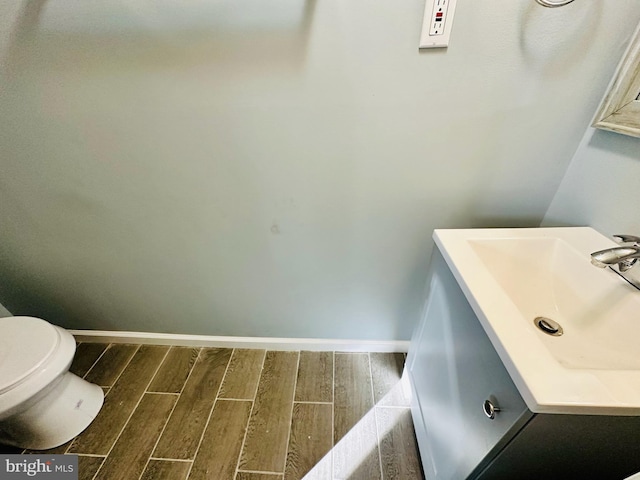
{"x":437,"y":23}
{"x":438,"y":17}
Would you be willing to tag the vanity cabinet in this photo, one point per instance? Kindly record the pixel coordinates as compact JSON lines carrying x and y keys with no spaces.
{"x":471,"y":421}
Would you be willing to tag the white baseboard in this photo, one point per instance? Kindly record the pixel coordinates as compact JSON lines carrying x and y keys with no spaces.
{"x":268,"y":343}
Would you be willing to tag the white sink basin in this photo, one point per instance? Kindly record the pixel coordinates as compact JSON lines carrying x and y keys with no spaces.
{"x":513,"y":276}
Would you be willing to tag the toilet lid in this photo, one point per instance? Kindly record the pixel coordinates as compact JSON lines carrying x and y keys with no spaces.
{"x":25,"y":344}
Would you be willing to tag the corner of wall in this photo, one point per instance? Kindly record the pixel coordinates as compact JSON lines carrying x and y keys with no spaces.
{"x":4,"y":312}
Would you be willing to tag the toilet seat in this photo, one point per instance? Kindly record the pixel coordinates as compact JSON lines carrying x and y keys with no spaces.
{"x":27,"y":343}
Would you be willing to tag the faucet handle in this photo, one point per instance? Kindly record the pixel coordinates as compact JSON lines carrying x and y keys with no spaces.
{"x":627,"y":239}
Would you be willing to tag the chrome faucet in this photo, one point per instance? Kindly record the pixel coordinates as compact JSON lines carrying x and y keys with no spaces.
{"x":623,"y":257}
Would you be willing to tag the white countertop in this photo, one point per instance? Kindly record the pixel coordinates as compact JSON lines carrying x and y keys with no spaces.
{"x":592,"y":367}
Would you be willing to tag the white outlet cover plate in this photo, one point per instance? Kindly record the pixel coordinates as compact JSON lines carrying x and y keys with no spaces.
{"x":436,"y":41}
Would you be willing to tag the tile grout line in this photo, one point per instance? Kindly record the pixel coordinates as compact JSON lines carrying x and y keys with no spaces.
{"x":375,"y":414}
{"x":172,"y":408}
{"x":185,"y":380}
{"x":97,"y":360}
{"x":125,"y":367}
{"x":137,"y":403}
{"x":260,"y":471}
{"x":313,"y":403}
{"x":333,"y":412}
{"x":255,"y":390}
{"x":101,"y":464}
{"x":170,"y":459}
{"x":246,"y":430}
{"x":163,"y":393}
{"x":293,"y":403}
{"x":235,"y":399}
{"x":112,"y":384}
{"x":206,"y":425}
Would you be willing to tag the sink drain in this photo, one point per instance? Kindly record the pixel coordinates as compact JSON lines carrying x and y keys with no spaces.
{"x":548,"y":326}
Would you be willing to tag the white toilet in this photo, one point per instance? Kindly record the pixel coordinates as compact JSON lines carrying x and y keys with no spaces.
{"x":42,"y":404}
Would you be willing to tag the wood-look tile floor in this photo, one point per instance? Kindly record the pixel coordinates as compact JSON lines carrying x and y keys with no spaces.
{"x":213,"y":413}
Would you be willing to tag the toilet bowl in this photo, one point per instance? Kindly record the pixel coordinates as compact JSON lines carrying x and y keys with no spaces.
{"x":42,"y":404}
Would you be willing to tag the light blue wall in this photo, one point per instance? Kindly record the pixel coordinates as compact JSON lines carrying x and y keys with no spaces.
{"x":228,"y":168}
{"x":602,"y":185}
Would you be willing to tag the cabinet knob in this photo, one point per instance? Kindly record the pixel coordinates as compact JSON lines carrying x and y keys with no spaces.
{"x":490,"y":409}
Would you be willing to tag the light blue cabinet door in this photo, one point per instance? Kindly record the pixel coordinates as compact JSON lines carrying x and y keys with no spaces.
{"x":453,"y":369}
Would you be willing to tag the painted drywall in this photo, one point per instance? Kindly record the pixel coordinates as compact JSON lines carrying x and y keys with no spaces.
{"x":601,"y":185}
{"x":235,"y":168}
